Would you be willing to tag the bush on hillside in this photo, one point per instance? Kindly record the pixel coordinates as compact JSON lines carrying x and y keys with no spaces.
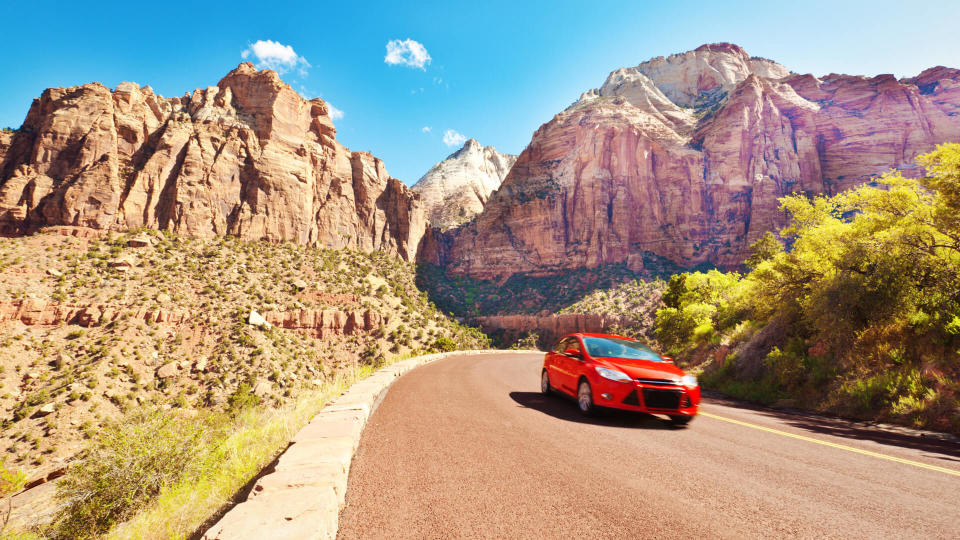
{"x":128,"y":465}
{"x":444,"y":344}
{"x":11,"y":481}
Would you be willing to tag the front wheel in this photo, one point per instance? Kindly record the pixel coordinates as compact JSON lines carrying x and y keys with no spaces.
{"x":585,"y":398}
{"x":545,"y":387}
{"x":680,"y":420}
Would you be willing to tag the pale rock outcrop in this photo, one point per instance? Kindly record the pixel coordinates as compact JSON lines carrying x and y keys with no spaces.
{"x":631,"y":173}
{"x":702,"y":75}
{"x":455,"y":189}
{"x":248,"y":157}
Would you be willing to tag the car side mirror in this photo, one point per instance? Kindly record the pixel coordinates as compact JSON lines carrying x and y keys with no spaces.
{"x":573,"y":353}
{"x":667,"y":359}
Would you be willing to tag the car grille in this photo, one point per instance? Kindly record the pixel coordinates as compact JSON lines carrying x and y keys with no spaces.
{"x":661,"y":399}
{"x":667,"y":382}
{"x":632,"y":399}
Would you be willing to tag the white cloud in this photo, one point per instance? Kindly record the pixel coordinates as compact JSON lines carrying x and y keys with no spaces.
{"x":452,"y":138}
{"x":426,"y":129}
{"x":407,"y":52}
{"x":335,"y":113}
{"x":276,"y":56}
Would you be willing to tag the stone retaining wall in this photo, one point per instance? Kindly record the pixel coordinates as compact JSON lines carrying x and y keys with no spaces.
{"x":302,"y":497}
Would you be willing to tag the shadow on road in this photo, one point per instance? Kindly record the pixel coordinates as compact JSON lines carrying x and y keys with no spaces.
{"x":566,"y":409}
{"x":940,"y":446}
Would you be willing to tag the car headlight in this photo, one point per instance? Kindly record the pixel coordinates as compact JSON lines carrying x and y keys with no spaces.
{"x":613,"y":375}
{"x":689,"y":381}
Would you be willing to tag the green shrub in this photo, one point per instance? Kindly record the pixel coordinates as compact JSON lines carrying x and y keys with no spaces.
{"x":129,"y":463}
{"x":11,"y":482}
{"x":242,"y":398}
{"x":444,"y":344}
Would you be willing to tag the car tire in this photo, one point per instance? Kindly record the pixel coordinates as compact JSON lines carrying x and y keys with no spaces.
{"x":585,"y":398}
{"x":545,"y":387}
{"x":680,"y":420}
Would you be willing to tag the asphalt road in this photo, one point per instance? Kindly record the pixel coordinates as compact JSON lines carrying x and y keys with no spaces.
{"x":468,"y":448}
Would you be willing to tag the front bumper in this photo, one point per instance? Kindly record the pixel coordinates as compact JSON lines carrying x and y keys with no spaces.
{"x":645,"y":397}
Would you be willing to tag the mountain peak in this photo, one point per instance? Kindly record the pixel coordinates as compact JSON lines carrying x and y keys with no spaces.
{"x":456,"y":189}
{"x":730,"y":48}
{"x":685,"y":78}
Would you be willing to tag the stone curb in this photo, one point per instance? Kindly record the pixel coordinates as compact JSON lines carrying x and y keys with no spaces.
{"x":303,"y":496}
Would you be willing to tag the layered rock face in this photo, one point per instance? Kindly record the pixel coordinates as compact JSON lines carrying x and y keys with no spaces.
{"x":326,"y":322}
{"x":248,"y":157}
{"x":455,"y":189}
{"x":684,"y":157}
{"x":551,"y":327}
{"x":319,"y":323}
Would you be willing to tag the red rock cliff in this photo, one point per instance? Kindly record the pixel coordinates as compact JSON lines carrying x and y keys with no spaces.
{"x":684,"y":157}
{"x":247,"y":157}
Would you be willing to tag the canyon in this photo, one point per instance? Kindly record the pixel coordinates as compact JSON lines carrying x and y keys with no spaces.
{"x":680,"y":159}
{"x":684,"y":158}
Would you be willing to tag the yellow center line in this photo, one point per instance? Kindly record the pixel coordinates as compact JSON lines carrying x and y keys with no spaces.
{"x":834,"y":445}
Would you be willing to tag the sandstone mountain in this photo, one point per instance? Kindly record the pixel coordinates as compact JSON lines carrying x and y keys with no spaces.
{"x":249,"y":157}
{"x":455,"y":189}
{"x":684,"y":157}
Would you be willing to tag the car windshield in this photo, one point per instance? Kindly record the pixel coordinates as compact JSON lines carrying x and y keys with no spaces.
{"x":619,"y":348}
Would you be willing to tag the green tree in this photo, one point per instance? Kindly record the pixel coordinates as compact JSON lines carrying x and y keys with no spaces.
{"x":11,"y":482}
{"x":765,"y":248}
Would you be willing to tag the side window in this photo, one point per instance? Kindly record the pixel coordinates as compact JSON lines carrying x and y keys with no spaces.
{"x":561,"y":345}
{"x":573,"y":343}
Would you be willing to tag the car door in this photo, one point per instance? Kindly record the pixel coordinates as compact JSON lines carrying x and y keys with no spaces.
{"x":575,"y":364}
{"x":555,"y":364}
{"x":567,"y":366}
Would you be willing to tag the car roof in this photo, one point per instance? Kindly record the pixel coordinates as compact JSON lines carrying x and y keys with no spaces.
{"x":588,"y":334}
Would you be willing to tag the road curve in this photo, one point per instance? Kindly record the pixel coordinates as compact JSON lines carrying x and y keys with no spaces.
{"x":467,"y":448}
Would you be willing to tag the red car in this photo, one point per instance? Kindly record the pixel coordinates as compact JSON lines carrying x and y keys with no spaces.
{"x":618,"y":372}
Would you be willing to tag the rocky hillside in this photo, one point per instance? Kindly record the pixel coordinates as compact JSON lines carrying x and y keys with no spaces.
{"x":248,"y":157}
{"x":455,"y":189}
{"x":684,"y":157}
{"x":93,"y":327}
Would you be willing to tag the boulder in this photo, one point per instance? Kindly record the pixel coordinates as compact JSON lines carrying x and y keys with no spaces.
{"x":46,"y":409}
{"x":255,"y":319}
{"x":122,"y":263}
{"x":168,"y":370}
{"x":262,"y":389}
{"x":140,"y":240}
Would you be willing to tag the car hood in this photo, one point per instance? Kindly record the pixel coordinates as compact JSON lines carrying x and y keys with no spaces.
{"x":645,"y":369}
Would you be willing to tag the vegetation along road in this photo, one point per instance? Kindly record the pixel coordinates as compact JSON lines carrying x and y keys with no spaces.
{"x":468,"y":447}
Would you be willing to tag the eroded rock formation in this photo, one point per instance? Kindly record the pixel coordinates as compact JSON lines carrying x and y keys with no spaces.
{"x":320,"y":323}
{"x":327,"y":322}
{"x":684,"y":157}
{"x":248,"y":157}
{"x":455,"y":190}
{"x":550,"y":328}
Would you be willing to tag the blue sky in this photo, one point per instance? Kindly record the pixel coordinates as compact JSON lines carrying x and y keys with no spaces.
{"x":497,"y":70}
